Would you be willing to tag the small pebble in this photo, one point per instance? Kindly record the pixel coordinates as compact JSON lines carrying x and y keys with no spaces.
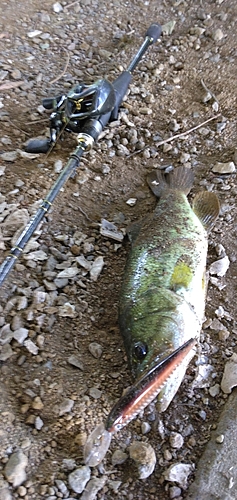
{"x":65,"y":407}
{"x":144,"y":456}
{"x":119,"y":457}
{"x":220,"y":438}
{"x":57,"y":7}
{"x":95,"y":349}
{"x":145,"y":427}
{"x":178,"y":473}
{"x":39,"y":423}
{"x":176,"y":440}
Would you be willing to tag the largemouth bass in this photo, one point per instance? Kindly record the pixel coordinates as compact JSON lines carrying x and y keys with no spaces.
{"x":164,"y":286}
{"x":162,"y":300}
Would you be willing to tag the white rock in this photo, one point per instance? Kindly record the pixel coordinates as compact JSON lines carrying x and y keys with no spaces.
{"x":15,"y":468}
{"x":229,"y":379}
{"x":69,"y":272}
{"x":39,"y":423}
{"x":79,"y":478}
{"x":68,"y":310}
{"x":58,"y":165}
{"x":219,"y":267}
{"x":37,"y":255}
{"x":92,"y":488}
{"x":131,"y":202}
{"x":178,"y":473}
{"x":31,"y":347}
{"x":203,"y":376}
{"x":96,"y":268}
{"x":6,"y":334}
{"x":57,"y":7}
{"x":6,"y":352}
{"x":176,"y":440}
{"x":83,"y":262}
{"x":20,"y":335}
{"x":32,"y":34}
{"x":109,"y":230}
{"x":224,"y":168}
{"x":16,"y":219}
{"x":214,"y":390}
{"x":144,"y":456}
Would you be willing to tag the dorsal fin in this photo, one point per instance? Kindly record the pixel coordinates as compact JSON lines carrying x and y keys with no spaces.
{"x":207,"y":207}
{"x":181,"y":179}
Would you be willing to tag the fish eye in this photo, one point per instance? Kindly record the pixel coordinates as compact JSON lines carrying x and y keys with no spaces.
{"x":140,"y":350}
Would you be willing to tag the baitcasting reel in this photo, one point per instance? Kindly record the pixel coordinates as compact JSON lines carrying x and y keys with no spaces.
{"x":71,"y":111}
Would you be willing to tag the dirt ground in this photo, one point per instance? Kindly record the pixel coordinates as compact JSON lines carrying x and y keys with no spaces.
{"x":186,"y":78}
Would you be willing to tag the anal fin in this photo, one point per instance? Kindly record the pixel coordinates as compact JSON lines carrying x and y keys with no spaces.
{"x":207,"y":207}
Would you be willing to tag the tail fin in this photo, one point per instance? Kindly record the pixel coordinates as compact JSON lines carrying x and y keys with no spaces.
{"x":181,"y":179}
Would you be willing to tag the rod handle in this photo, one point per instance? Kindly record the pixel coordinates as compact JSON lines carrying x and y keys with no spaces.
{"x":154,"y":32}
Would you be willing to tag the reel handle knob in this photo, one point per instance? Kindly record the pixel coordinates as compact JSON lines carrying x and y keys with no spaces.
{"x":38,"y":146}
{"x":154,"y":32}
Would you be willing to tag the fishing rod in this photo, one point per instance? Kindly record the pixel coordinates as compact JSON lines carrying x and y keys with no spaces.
{"x":85,"y":110}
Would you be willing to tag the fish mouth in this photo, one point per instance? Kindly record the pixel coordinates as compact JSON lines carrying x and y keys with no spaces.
{"x":146,"y":388}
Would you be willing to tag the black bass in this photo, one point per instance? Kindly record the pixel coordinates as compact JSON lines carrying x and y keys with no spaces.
{"x":162,"y":300}
{"x":164,"y":287}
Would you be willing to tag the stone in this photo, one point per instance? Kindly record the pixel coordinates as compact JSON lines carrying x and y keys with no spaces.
{"x":70,"y":272}
{"x":65,"y":407}
{"x":20,"y":335}
{"x":178,"y":473}
{"x":15,"y":468}
{"x":176,"y":440}
{"x":96,"y":268}
{"x":6,"y":352}
{"x":75,"y":361}
{"x":144,"y":456}
{"x":79,"y":478}
{"x":119,"y":457}
{"x":95,"y":349}
{"x":229,"y":379}
{"x":93,"y":486}
{"x":220,"y":267}
{"x":67,"y":310}
{"x":10,"y":156}
{"x":31,"y":347}
{"x":224,"y":168}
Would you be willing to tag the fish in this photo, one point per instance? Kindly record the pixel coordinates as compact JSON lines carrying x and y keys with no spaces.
{"x":162,"y":299}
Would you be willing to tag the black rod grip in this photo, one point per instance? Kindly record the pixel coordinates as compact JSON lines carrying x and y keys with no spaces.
{"x":154,"y":32}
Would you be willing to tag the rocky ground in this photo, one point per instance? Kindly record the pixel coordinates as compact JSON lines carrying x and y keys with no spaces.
{"x":62,"y":361}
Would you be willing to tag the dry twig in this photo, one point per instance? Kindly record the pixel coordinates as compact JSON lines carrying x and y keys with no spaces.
{"x":64,"y":70}
{"x":71,"y":5}
{"x":177,"y":135}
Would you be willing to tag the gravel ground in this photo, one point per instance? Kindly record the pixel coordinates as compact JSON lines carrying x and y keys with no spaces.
{"x":62,"y":361}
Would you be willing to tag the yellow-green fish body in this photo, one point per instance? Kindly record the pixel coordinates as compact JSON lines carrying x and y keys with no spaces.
{"x":163,"y":292}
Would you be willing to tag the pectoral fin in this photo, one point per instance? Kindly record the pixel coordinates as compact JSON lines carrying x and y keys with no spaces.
{"x":206,"y":206}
